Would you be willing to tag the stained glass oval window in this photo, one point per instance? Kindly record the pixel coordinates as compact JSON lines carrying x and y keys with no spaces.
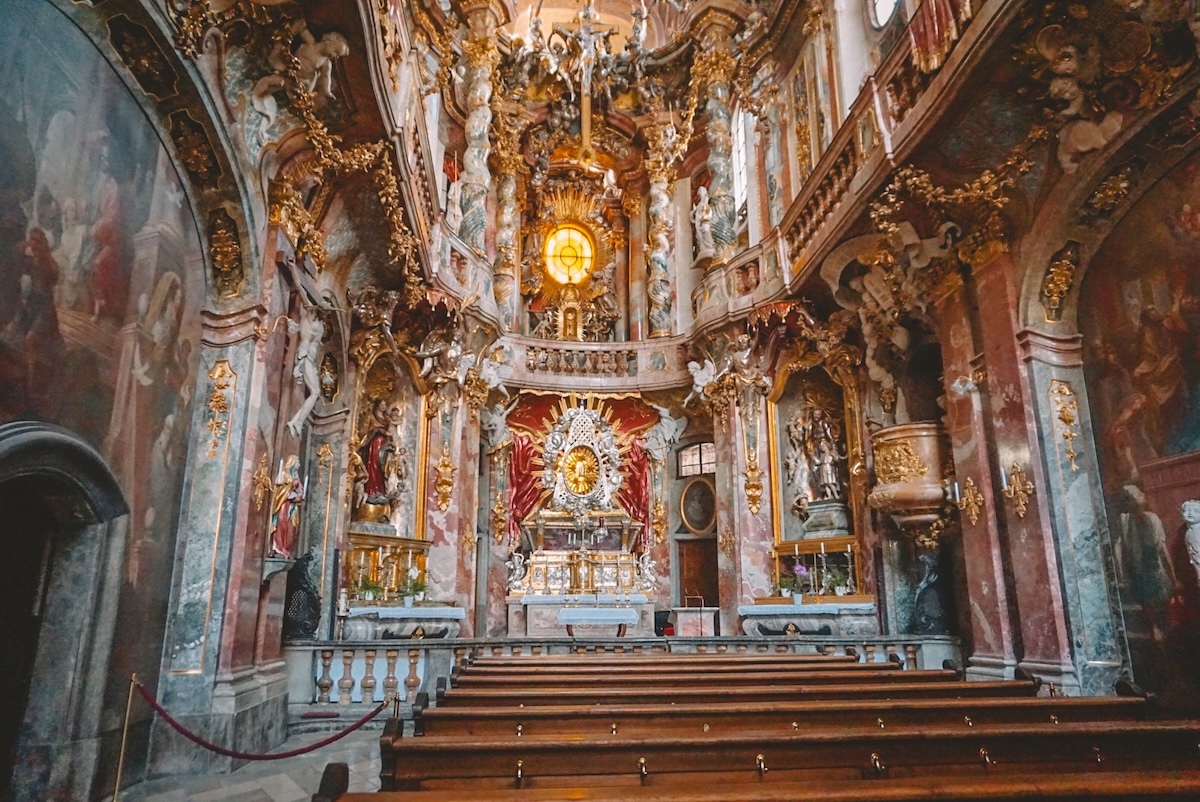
{"x":569,"y":254}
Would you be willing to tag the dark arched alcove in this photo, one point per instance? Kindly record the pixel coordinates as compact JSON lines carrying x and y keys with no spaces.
{"x":58,"y":500}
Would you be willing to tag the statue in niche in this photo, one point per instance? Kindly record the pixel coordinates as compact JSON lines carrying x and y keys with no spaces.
{"x":827,"y":455}
{"x":1191,"y":516}
{"x":494,"y":422}
{"x":315,"y":72}
{"x":374,"y":453}
{"x":798,"y":464}
{"x":288,"y":494}
{"x":311,"y":330}
{"x":702,"y":220}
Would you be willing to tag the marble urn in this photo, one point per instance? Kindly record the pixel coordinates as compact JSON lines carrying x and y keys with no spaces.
{"x":908,"y":473}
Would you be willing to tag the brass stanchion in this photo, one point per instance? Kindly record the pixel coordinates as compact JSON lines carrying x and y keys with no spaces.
{"x":133,"y":681}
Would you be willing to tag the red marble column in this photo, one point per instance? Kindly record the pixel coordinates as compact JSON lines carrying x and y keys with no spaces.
{"x":1032,"y":551}
{"x":967,"y":425}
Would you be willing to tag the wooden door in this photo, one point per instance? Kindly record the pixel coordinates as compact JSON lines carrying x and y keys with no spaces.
{"x":698,"y":570}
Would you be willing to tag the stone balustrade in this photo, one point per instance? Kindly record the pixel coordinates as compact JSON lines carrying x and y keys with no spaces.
{"x":352,"y":676}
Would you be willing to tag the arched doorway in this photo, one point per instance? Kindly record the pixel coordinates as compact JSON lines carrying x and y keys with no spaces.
{"x":59,"y":503}
{"x":24,"y":576}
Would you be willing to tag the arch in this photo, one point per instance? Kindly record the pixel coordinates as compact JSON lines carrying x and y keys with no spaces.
{"x":35,"y":449}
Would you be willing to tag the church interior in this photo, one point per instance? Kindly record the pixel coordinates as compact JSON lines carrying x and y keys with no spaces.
{"x":603,"y":399}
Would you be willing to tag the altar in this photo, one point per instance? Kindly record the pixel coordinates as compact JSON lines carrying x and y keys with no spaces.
{"x":547,"y":616}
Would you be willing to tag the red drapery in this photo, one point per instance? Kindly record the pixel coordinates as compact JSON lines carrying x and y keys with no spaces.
{"x":634,"y":494}
{"x":934,"y":29}
{"x":524,"y":485}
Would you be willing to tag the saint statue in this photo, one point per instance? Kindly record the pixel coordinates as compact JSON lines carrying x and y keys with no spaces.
{"x":374,"y":452}
{"x":702,"y":220}
{"x":289,"y":492}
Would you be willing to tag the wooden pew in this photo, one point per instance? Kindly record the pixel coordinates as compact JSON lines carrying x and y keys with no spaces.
{"x":725,"y":717}
{"x":819,"y":754}
{"x":708,"y":727}
{"x":1107,"y":786}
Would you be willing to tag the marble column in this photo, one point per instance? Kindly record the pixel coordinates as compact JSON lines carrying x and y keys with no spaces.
{"x":1043,"y":602}
{"x":636,"y":269}
{"x":1076,"y":510}
{"x":481,"y":58}
{"x":984,"y":548}
{"x":506,"y":270}
{"x":452,"y":501}
{"x":660,"y":168}
{"x":718,"y":68}
{"x":728,"y":488}
{"x":213,"y":599}
{"x":504,"y":274}
{"x":752,"y":501}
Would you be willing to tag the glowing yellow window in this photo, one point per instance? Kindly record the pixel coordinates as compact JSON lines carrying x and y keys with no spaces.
{"x":568,"y":255}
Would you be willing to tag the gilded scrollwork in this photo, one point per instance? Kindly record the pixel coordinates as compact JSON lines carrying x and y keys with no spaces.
{"x":898,"y":462}
{"x":225,"y":251}
{"x":1066,"y":413}
{"x":222,"y":383}
{"x":1059,"y":278}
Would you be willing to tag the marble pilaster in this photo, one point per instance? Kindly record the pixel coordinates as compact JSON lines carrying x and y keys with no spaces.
{"x":983,"y":542}
{"x":1076,"y":514}
{"x":324,"y":510}
{"x":199,"y":683}
{"x":1033,"y":554}
{"x":727,"y":480}
{"x":755,"y":537}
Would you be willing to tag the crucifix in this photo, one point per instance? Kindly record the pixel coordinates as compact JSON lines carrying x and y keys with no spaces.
{"x":590,"y":45}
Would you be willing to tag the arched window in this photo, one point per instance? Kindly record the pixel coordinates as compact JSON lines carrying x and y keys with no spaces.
{"x":697,"y":459}
{"x":569,"y":253}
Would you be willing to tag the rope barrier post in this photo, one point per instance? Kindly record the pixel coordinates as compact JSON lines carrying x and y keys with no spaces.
{"x":133,"y":681}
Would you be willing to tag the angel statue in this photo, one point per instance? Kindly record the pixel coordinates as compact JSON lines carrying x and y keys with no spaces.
{"x":516,"y":571}
{"x":702,"y":377}
{"x":664,"y":434}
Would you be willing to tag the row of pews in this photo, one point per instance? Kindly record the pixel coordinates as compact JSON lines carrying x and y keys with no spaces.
{"x":768,"y":727}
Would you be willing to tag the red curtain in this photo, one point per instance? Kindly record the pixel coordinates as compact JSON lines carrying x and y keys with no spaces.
{"x":934,"y":29}
{"x":524,"y":485}
{"x":634,"y":494}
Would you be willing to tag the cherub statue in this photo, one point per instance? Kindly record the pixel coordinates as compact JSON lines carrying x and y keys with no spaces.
{"x":314,"y":74}
{"x":702,"y":376}
{"x":494,"y":422}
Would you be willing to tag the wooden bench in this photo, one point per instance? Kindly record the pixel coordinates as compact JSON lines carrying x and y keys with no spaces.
{"x":1108,"y":786}
{"x":723,"y":727}
{"x":722,"y":717}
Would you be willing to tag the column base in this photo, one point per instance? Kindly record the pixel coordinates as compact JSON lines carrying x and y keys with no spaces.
{"x":249,"y":714}
{"x":987,"y":668}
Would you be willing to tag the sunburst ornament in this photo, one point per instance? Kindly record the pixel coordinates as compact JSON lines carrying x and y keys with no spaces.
{"x":581,"y":469}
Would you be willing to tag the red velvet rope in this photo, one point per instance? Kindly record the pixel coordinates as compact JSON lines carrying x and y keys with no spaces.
{"x":220,"y":750}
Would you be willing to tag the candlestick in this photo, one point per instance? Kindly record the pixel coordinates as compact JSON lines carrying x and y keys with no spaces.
{"x":796,"y":549}
{"x":957,"y":497}
{"x":822,"y":546}
{"x":1003,"y":479}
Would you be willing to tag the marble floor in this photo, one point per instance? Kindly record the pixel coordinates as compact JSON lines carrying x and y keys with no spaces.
{"x":290,"y":780}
